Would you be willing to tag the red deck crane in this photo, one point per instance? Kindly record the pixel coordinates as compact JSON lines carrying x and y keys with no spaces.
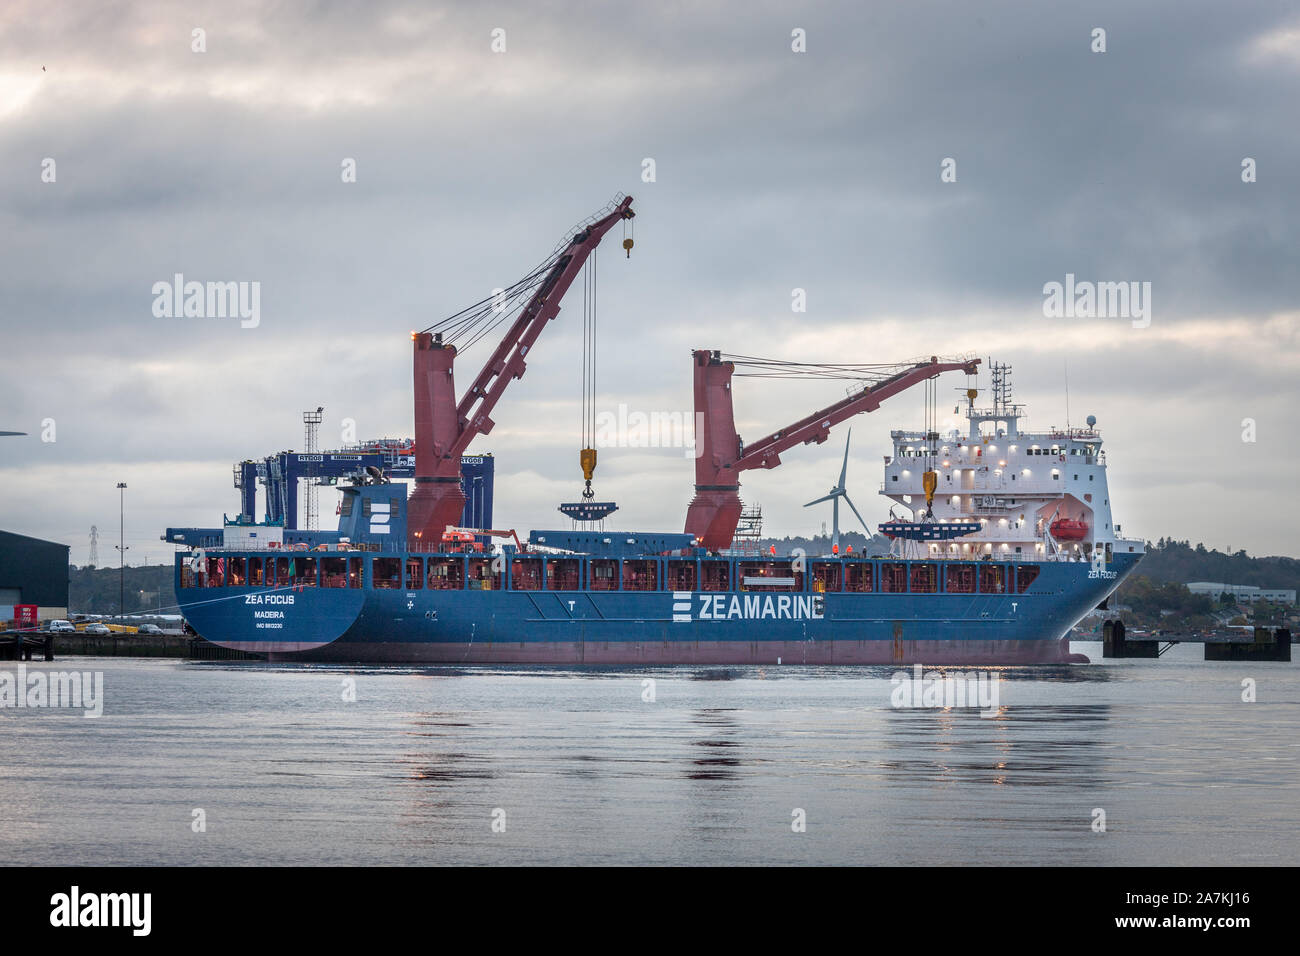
{"x":444,"y":427}
{"x":720,"y":455}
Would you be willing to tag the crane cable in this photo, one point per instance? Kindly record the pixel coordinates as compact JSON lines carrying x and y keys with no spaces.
{"x":587,"y":456}
{"x":752,"y":367}
{"x":930,"y":477}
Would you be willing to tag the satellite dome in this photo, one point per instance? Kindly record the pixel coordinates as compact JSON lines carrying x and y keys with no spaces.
{"x":1092,"y":420}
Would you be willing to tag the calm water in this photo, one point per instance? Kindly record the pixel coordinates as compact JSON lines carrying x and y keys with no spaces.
{"x":586,"y":771}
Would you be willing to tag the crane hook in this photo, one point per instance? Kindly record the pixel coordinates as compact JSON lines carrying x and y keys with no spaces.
{"x":587,"y":459}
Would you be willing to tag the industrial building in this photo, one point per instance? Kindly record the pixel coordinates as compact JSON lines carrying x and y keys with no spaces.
{"x":1243,"y":592}
{"x":33,"y":571}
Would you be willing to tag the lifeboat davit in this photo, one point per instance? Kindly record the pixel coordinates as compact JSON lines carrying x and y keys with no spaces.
{"x":1069,"y":529}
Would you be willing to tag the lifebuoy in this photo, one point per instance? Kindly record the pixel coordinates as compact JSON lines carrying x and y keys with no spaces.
{"x":1062,"y":458}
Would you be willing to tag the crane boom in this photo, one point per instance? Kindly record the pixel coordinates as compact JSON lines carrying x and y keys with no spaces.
{"x":507,"y":361}
{"x":721,"y":456}
{"x":444,"y":427}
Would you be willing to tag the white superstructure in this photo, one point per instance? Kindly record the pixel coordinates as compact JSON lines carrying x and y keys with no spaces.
{"x":1037,"y":494}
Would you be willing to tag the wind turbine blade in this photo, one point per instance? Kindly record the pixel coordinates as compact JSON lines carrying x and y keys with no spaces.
{"x":860,"y":518}
{"x":845,"y":467}
{"x":821,"y":499}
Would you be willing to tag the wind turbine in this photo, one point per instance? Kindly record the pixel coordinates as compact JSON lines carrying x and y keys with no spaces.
{"x":834,"y":497}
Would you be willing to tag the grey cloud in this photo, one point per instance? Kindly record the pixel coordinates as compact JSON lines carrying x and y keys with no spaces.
{"x":775,"y":170}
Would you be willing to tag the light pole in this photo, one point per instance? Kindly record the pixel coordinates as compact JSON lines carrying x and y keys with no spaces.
{"x":121,"y":550}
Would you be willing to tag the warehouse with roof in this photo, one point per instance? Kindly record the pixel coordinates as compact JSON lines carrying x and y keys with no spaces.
{"x":33,"y":571}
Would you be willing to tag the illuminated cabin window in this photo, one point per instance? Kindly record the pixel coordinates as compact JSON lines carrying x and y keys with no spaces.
{"x":386,"y":573}
{"x":858,"y":577}
{"x":924,"y":578}
{"x":277,"y":571}
{"x":526,"y":574}
{"x":604,"y":574}
{"x":414,"y":574}
{"x":446,"y":574}
{"x":827,"y":576}
{"x":1025,"y":576}
{"x":681,"y":575}
{"x":334,"y":572}
{"x":893,"y":578}
{"x":481,"y":576}
{"x":563,"y":574}
{"x":961,"y":579}
{"x":640,"y":574}
{"x":715,"y":575}
{"x":302,"y":572}
{"x":992,"y":579}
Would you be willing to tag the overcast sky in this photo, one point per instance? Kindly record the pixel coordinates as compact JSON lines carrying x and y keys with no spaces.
{"x":774,"y":170}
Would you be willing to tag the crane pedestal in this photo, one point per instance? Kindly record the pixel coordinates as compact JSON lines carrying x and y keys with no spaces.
{"x":713,"y":515}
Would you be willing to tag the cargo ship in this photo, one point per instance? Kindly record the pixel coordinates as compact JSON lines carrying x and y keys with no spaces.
{"x":402,"y":579}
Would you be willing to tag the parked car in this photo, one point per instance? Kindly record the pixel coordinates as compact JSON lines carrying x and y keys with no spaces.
{"x":99,"y":627}
{"x":149,"y":629}
{"x":61,"y":627}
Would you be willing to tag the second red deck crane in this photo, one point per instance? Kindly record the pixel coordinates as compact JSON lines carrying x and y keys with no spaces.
{"x":720,"y":455}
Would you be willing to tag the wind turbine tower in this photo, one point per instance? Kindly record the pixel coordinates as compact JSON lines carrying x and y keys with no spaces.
{"x":834,"y":496}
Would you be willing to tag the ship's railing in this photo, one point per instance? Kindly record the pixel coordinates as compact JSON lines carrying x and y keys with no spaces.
{"x":584,"y":223}
{"x":990,"y":413}
{"x":985,"y":557}
{"x":267,"y":547}
{"x":995,"y":556}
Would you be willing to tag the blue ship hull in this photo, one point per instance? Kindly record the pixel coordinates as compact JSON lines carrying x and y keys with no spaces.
{"x":364,"y":623}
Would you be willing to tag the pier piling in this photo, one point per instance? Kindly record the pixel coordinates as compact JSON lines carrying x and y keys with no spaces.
{"x":1114,"y":643}
{"x":1270,"y":644}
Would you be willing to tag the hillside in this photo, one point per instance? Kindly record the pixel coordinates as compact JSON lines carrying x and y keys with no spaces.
{"x":1177,"y":561}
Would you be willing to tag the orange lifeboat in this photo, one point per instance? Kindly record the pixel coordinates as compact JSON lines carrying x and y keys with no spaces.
{"x":1069,"y":529}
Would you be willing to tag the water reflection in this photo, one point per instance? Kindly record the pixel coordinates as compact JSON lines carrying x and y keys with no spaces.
{"x":718,"y":757}
{"x":588,"y":771}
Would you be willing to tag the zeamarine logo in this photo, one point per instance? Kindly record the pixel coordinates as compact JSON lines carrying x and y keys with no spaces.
{"x":722,"y":607}
{"x":46,"y":690}
{"x":938,"y":690}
